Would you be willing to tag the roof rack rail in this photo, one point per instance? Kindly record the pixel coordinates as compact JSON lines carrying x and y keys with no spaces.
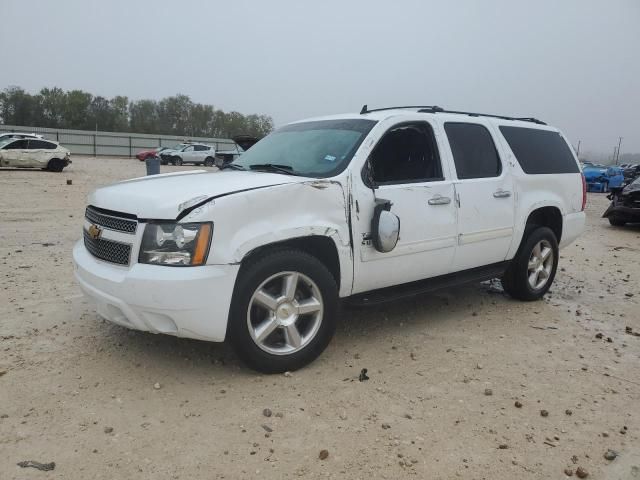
{"x":474,"y":114}
{"x":366,"y":110}
{"x":436,"y":109}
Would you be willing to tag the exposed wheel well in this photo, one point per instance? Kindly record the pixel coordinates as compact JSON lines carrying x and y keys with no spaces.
{"x":547,"y":217}
{"x":320,"y":247}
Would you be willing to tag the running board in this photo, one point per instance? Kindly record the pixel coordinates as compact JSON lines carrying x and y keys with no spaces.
{"x":406,"y":290}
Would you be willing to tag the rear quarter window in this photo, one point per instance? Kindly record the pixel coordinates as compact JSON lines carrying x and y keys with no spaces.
{"x":540,"y":151}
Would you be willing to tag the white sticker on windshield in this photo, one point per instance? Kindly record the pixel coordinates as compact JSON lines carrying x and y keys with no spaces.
{"x":330,"y":158}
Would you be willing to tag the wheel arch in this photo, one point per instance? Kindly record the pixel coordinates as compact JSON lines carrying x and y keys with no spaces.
{"x":322,"y":247}
{"x":548,"y":214}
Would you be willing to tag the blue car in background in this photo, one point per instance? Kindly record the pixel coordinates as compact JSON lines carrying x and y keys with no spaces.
{"x":601,"y":178}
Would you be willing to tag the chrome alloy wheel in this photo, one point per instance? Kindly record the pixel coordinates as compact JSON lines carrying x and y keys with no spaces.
{"x":540,"y":264}
{"x":285,"y":313}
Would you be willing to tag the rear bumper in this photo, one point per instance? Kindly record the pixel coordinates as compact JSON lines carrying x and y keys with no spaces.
{"x":190,"y":302}
{"x":572,"y":227}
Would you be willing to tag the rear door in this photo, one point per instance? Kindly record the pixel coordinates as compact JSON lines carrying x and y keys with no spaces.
{"x":201,"y":153}
{"x":40,"y":152}
{"x":484,"y":195}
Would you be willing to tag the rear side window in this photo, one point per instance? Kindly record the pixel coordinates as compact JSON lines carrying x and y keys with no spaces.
{"x":41,"y":144}
{"x":474,"y":152}
{"x":540,"y":151}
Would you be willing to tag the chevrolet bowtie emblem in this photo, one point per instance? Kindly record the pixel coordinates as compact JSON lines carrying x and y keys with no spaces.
{"x":95,"y":232}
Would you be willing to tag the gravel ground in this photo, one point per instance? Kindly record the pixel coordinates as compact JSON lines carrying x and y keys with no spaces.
{"x":459,"y":380}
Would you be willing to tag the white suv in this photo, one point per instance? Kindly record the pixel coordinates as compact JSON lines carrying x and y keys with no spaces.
{"x":196,"y":153}
{"x":367,"y":206}
{"x":33,"y":152}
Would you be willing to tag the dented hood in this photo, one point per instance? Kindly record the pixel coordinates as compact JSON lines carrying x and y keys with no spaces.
{"x":165,"y":196}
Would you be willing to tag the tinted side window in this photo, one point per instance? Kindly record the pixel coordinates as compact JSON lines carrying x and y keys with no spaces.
{"x":41,"y":144}
{"x":474,"y":152}
{"x":17,"y":145}
{"x":201,"y":148}
{"x":406,"y":153}
{"x":540,"y":151}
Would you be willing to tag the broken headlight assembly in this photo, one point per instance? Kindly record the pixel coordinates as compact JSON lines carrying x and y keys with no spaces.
{"x":176,"y":244}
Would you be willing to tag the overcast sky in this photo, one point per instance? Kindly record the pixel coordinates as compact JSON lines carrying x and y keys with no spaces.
{"x":572,"y":63}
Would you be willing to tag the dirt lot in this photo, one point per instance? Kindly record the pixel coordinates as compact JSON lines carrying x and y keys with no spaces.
{"x":446,"y":371}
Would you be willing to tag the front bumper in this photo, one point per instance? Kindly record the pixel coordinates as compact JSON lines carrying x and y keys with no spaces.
{"x":629,"y":214}
{"x":190,"y":302}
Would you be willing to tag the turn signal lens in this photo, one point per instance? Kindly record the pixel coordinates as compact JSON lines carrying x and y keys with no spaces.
{"x":202,"y":245}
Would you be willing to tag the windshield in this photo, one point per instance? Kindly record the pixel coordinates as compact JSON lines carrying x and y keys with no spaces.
{"x":313,"y":149}
{"x":5,"y":140}
{"x":179,"y":146}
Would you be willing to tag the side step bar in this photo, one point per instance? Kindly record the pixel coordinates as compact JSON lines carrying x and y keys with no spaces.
{"x":406,"y":290}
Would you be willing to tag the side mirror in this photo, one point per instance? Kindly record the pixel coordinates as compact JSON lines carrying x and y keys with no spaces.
{"x":385,"y":227}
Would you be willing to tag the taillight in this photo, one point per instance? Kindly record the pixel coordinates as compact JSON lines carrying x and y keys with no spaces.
{"x":584,"y":192}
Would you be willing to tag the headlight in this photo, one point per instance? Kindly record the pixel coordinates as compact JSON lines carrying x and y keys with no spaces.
{"x":176,"y":244}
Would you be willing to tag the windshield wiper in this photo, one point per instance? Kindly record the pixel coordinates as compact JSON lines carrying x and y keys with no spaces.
{"x":274,"y":167}
{"x":232,"y":166}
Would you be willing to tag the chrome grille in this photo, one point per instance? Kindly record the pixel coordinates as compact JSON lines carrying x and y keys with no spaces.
{"x":108,"y":250}
{"x":110,"y":222}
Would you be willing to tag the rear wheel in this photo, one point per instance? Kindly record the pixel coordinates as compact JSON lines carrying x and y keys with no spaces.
{"x":533,"y":269}
{"x":283,"y":312}
{"x":617,"y":222}
{"x":55,"y":165}
{"x":209,"y":162}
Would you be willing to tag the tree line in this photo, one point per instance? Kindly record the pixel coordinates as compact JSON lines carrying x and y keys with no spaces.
{"x":175,"y":115}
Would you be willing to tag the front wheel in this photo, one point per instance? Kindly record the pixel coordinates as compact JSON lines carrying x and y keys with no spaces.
{"x":177,"y":161}
{"x":617,"y":222}
{"x":55,"y":165}
{"x":284,"y":311}
{"x":533,"y":269}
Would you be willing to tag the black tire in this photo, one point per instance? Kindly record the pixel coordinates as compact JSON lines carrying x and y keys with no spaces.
{"x":208,"y":162}
{"x":617,"y":222}
{"x":251,"y":277}
{"x":177,"y":161}
{"x":55,"y":165}
{"x":515,"y":280}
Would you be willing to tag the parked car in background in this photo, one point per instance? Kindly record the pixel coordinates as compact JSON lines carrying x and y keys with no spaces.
{"x":6,"y":135}
{"x":142,"y":155}
{"x":601,"y":178}
{"x":364,"y":207}
{"x":195,"y":153}
{"x":625,"y":204}
{"x":33,"y":153}
{"x":631,"y":172}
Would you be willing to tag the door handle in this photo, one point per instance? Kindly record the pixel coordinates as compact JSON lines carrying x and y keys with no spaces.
{"x":502,"y":194}
{"x":439,"y":200}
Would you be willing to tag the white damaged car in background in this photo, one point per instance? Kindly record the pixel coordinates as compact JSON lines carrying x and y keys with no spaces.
{"x":31,"y":152}
{"x":363,"y":207}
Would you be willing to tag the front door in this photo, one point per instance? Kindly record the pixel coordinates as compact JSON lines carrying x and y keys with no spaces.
{"x":188,"y":154}
{"x":405,"y":168}
{"x":484,"y":193}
